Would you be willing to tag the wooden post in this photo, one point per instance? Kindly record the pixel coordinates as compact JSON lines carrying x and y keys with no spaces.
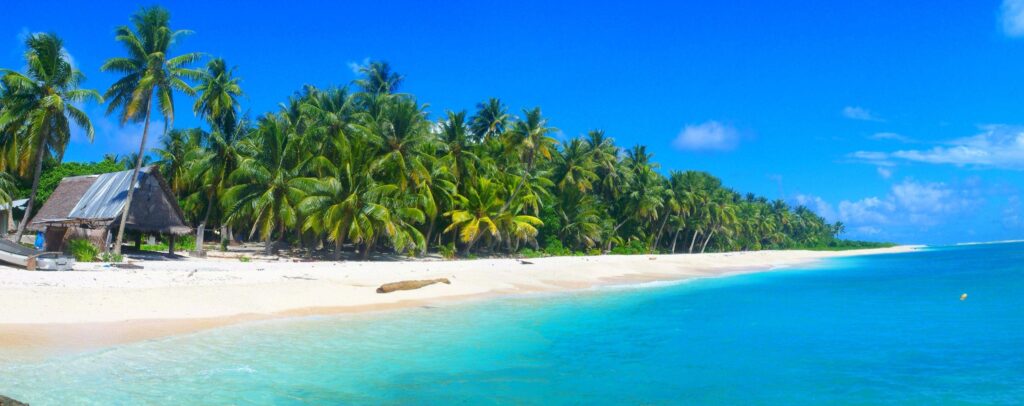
{"x":170,"y":245}
{"x":138,"y":242}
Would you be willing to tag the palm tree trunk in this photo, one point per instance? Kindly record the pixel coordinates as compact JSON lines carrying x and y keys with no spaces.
{"x":661,"y":229}
{"x":705,"y":245}
{"x":369,"y":248}
{"x":32,"y":195}
{"x":674,"y":239}
{"x":337,"y":247}
{"x":201,"y":230}
{"x":608,"y":247}
{"x":693,"y":240}
{"x":430,"y":232}
{"x":469,"y":246}
{"x":135,"y":177}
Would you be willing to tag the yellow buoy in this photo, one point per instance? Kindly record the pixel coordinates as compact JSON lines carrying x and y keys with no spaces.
{"x":963,"y":296}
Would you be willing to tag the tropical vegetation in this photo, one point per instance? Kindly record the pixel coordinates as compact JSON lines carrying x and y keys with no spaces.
{"x":366,"y":169}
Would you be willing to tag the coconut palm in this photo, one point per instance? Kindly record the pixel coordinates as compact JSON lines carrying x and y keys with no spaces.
{"x":476,"y":213}
{"x":490,"y":120}
{"x":149,"y":74}
{"x":528,"y":140}
{"x":39,"y":108}
{"x":267,"y":184}
{"x":217,"y":103}
{"x":575,"y":168}
{"x":218,"y":92}
{"x":378,"y":78}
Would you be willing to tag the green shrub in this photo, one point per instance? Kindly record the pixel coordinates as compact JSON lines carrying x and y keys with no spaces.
{"x":111,"y":257}
{"x":634,"y":247}
{"x":554,"y":247}
{"x":244,"y":258}
{"x":530,"y":253}
{"x":83,"y":250}
{"x":447,"y":251}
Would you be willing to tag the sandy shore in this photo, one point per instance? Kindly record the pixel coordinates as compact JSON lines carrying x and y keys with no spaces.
{"x":98,"y":305}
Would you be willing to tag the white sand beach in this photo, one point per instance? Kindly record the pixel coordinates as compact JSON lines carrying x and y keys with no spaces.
{"x":101,"y":304}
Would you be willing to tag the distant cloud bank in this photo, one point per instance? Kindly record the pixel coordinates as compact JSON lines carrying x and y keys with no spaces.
{"x":860,"y":113}
{"x":1012,"y":15}
{"x":998,"y":146}
{"x":707,"y":136}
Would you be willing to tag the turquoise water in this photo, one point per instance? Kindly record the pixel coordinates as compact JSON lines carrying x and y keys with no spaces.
{"x":867,"y":330}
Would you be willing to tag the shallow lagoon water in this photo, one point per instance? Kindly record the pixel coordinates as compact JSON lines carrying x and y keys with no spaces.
{"x":874,"y":329}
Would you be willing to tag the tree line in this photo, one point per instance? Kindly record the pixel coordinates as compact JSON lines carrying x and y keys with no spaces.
{"x":363,"y":168}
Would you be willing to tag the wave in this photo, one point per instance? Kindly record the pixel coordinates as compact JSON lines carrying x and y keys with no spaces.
{"x":989,"y":242}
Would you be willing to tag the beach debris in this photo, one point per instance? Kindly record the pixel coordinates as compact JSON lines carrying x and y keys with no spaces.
{"x":305,"y":278}
{"x":963,"y":297}
{"x":410,"y":285}
{"x":524,"y":262}
{"x":192,"y":273}
{"x":6,"y":401}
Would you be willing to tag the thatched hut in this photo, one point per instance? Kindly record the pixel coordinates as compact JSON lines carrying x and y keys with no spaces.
{"x":90,"y":207}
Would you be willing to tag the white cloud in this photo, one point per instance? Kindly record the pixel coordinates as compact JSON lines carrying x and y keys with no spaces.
{"x":859,"y":113}
{"x":868,"y":230}
{"x":1012,"y":15}
{"x":355,"y":66}
{"x":997,"y":146}
{"x":891,"y":136}
{"x":911,"y":203}
{"x":884,"y":172}
{"x":710,"y":135}
{"x":871,"y":210}
{"x":816,"y":204}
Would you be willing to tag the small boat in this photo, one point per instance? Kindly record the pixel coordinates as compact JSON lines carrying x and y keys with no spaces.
{"x":33,"y":260}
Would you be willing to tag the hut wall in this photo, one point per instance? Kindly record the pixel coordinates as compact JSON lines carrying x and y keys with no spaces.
{"x":152,"y":211}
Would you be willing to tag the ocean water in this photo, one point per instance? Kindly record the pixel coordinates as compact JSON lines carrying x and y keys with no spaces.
{"x":865,"y":330}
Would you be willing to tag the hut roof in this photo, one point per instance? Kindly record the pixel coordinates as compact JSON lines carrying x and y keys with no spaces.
{"x":98,"y":200}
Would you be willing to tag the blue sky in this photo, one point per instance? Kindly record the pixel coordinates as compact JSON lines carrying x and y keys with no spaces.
{"x":903,"y":120}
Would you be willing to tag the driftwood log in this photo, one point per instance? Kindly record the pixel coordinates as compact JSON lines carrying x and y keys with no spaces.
{"x":6,"y":401}
{"x":410,"y":285}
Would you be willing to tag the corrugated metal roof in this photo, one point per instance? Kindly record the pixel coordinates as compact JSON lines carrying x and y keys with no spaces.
{"x":20,"y":203}
{"x":106,"y":196}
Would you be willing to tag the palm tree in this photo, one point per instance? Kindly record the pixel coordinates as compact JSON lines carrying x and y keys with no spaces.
{"x":217,"y":103}
{"x":148,"y":73}
{"x":575,"y":168}
{"x":529,"y":140}
{"x":476,"y":214}
{"x":378,"y":78}
{"x":173,"y":153}
{"x":401,"y":132}
{"x":490,"y":120}
{"x":268,"y":185}
{"x":218,"y":91}
{"x":40,"y":106}
{"x":458,"y":155}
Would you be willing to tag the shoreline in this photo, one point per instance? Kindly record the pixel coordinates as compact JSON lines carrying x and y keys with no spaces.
{"x":95,"y":306}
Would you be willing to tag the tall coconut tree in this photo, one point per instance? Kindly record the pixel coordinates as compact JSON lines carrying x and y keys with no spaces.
{"x":529,"y":140}
{"x":149,"y":74}
{"x":490,"y":120}
{"x":217,"y":103}
{"x":39,"y":108}
{"x":267,"y":185}
{"x":378,"y":78}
